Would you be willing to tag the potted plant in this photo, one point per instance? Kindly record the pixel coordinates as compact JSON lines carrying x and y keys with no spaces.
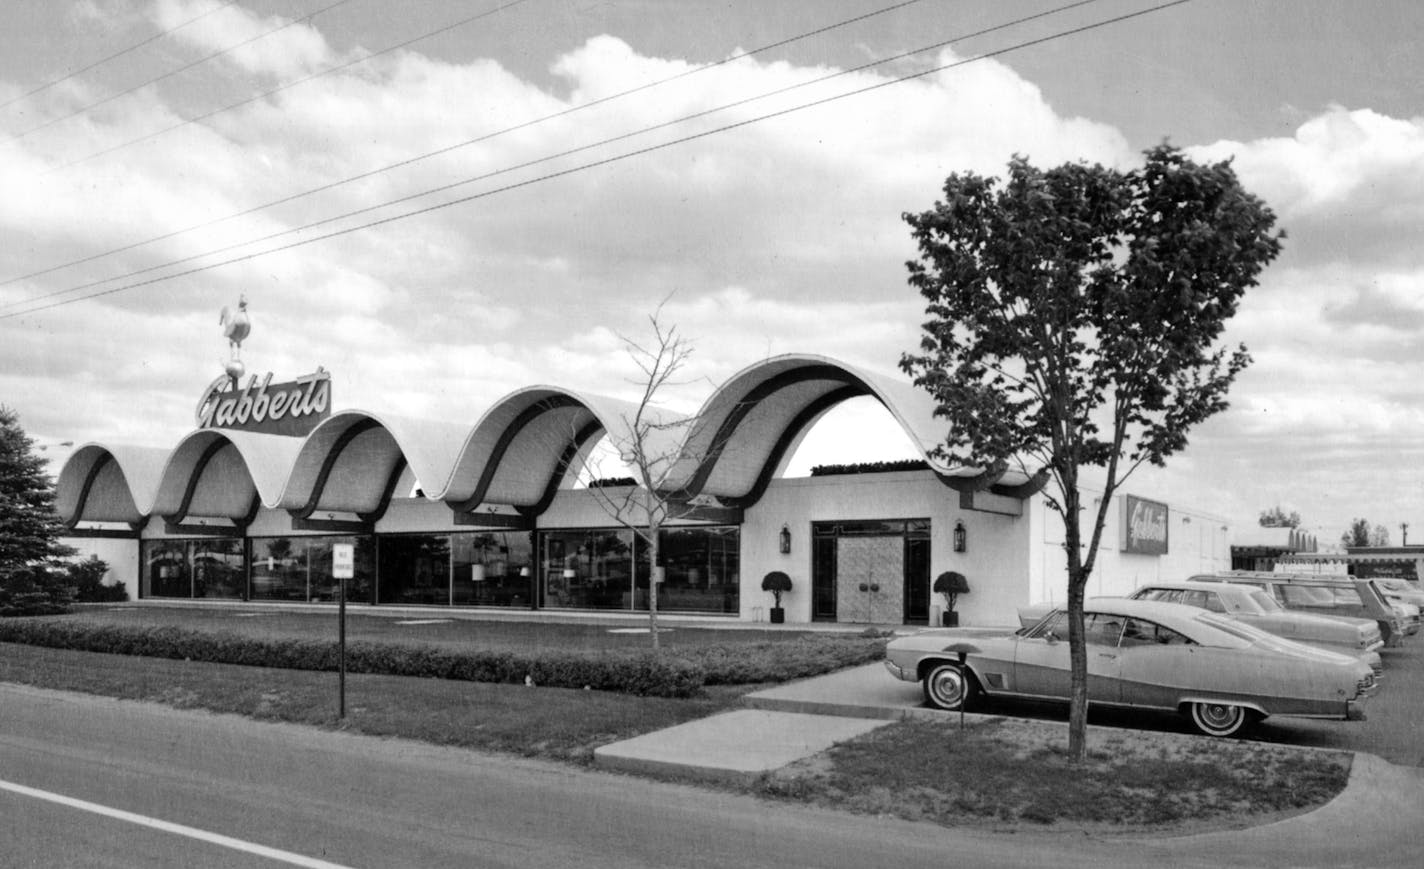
{"x":776,"y":582}
{"x":951,"y":585}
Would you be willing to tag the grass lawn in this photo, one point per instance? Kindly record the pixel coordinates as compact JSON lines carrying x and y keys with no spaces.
{"x":1011,"y":774}
{"x":554,"y":723}
{"x":433,"y":628}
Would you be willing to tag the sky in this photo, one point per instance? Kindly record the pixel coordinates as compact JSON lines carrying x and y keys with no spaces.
{"x":442,"y":201}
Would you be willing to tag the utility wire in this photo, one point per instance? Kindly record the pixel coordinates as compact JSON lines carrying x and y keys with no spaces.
{"x":291,"y":84}
{"x":607,"y":160}
{"x":466,"y":143}
{"x":116,"y":55}
{"x":545,"y":159}
{"x":184,"y":68}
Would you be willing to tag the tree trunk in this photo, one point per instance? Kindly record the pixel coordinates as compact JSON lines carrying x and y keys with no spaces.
{"x":1077,"y":648}
{"x":653,"y":587}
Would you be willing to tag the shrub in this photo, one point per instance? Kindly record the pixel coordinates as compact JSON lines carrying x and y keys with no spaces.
{"x":641,"y":672}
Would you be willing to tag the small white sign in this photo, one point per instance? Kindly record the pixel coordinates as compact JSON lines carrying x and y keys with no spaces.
{"x":343,"y":561}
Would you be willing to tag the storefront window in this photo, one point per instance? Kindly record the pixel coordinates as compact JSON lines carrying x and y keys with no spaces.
{"x":588,"y":569}
{"x":701,"y":570}
{"x":492,"y":568}
{"x":414,"y":569}
{"x":299,"y":569}
{"x":595,"y":570}
{"x":210,"y":567}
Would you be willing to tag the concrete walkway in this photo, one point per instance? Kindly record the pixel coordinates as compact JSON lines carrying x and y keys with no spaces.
{"x":1381,"y":807}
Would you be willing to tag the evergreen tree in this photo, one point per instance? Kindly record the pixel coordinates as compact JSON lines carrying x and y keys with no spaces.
{"x":31,"y":578}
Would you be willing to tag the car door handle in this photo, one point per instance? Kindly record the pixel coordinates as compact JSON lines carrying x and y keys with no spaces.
{"x":1107,"y":655}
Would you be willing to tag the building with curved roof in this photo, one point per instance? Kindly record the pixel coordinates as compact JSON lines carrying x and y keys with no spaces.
{"x":501,"y":511}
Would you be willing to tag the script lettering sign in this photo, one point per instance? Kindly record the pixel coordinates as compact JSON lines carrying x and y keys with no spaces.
{"x":292,"y":409}
{"x":1144,"y":526}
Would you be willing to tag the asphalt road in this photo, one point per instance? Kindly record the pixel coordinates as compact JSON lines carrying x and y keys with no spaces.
{"x":356,"y":801}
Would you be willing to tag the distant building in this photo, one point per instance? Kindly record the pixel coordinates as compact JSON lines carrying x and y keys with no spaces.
{"x":1261,"y":548}
{"x":1401,"y":562}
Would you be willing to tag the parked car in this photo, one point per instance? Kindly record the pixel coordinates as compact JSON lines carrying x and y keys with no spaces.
{"x":1403,"y":590}
{"x":1405,"y":597}
{"x":1221,"y":673}
{"x":1255,"y":606}
{"x":1322,"y":595}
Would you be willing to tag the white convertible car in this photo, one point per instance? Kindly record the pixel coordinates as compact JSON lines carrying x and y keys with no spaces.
{"x":1142,"y":654}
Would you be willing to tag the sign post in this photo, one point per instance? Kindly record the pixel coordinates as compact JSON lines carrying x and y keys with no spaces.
{"x":343,"y":567}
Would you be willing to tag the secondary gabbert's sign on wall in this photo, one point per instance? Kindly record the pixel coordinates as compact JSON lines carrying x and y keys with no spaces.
{"x":293,"y":408}
{"x":1144,"y":526}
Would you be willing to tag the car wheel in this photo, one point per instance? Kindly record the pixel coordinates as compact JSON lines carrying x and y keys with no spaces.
{"x":949,"y":687}
{"x":1220,"y":719}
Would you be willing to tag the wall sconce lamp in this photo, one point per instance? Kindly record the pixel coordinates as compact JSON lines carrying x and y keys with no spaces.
{"x":524,"y":572}
{"x":785,"y":540}
{"x":961,"y":537}
{"x":569,"y":573}
{"x":477,"y":572}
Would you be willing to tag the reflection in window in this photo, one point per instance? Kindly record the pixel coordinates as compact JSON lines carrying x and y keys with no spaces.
{"x":299,"y":569}
{"x":210,"y":567}
{"x":608,"y":569}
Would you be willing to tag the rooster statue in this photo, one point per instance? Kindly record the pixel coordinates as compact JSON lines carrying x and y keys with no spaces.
{"x":235,"y":326}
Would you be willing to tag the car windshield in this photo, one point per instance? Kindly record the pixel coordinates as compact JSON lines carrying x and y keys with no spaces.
{"x":1265,"y":601}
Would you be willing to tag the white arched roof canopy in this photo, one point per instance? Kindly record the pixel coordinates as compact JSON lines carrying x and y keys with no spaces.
{"x":520,"y":453}
{"x":353,"y":460}
{"x":118,"y":483}
{"x":745,"y":429}
{"x":224,"y":474}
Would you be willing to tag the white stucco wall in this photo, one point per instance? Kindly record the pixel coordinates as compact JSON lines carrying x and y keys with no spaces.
{"x":995,"y":561}
{"x":1197,"y":542}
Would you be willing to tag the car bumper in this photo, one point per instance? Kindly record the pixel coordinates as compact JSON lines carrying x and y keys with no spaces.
{"x":1355,"y":709}
{"x":901,"y":673}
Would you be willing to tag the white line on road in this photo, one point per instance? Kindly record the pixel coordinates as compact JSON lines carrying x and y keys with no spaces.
{"x":168,"y":827}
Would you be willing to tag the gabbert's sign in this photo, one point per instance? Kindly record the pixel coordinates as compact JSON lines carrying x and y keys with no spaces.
{"x":293,"y":408}
{"x":1144,"y":526}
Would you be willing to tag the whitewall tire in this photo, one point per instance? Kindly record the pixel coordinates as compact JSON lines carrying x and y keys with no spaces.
{"x":948,"y":687}
{"x":1220,"y":719}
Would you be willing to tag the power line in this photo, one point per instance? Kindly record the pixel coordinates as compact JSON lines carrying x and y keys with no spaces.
{"x":449,"y":148}
{"x":287,"y":86}
{"x":184,"y":68}
{"x":598,"y":163}
{"x":116,"y":55}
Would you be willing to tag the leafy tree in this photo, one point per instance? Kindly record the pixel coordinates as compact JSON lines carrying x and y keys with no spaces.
{"x":1361,"y":533}
{"x":1278,"y":518}
{"x":1073,"y":314}
{"x":31,"y":577}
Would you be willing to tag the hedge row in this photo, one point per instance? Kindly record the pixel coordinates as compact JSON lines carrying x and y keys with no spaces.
{"x":630,"y":672}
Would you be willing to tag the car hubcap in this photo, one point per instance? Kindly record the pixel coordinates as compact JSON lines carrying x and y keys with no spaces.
{"x":1219,"y":717}
{"x":948,"y":686}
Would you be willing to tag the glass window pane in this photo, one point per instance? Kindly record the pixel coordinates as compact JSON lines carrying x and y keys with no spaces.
{"x":414,"y":569}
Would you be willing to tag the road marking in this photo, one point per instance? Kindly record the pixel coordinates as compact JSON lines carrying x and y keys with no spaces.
{"x":168,"y":827}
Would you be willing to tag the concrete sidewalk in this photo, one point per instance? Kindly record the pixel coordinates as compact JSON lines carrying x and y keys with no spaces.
{"x":1383,"y":804}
